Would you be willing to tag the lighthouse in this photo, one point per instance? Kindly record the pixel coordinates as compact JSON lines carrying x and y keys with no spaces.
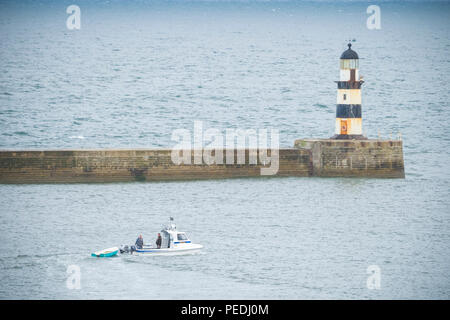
{"x":348,"y":105}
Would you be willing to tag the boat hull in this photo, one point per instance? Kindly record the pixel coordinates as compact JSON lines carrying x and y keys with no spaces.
{"x":193,"y":248}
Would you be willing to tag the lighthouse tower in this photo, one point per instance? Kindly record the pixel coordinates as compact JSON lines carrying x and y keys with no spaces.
{"x":348,"y":107}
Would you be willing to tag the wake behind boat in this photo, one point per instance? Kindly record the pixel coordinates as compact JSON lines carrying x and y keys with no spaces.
{"x":173,"y":242}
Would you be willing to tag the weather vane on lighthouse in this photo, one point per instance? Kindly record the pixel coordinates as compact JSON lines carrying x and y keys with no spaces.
{"x":348,"y":107}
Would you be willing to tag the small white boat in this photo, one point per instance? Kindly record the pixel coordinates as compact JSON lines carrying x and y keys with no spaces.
{"x":173,"y":242}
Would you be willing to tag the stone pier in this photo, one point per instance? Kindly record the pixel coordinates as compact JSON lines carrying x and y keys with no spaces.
{"x":309,"y":157}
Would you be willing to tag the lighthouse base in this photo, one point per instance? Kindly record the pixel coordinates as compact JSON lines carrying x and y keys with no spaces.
{"x":369,"y":158}
{"x":348,"y":137}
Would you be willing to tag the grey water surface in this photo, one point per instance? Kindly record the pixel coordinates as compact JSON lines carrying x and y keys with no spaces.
{"x":137,"y":70}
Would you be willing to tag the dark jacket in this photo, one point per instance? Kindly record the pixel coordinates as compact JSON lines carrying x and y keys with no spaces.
{"x":139,"y":243}
{"x":158,"y":241}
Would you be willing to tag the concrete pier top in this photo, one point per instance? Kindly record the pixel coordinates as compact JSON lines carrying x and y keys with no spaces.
{"x":300,"y":143}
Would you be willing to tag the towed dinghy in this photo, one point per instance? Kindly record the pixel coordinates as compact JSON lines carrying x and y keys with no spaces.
{"x":106,"y":252}
{"x":173,"y":242}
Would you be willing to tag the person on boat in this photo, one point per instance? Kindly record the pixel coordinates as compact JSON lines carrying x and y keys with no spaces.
{"x":158,"y":241}
{"x":139,"y":242}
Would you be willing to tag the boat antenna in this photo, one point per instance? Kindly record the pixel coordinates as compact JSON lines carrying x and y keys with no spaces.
{"x":171,"y":224}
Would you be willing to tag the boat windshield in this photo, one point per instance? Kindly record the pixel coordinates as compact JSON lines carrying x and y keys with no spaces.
{"x":182,"y":236}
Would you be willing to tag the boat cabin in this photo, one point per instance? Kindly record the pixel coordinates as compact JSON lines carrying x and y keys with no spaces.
{"x":172,"y":238}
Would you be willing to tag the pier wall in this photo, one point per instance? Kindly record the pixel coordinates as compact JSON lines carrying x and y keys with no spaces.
{"x":322,"y":158}
{"x":132,"y":165}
